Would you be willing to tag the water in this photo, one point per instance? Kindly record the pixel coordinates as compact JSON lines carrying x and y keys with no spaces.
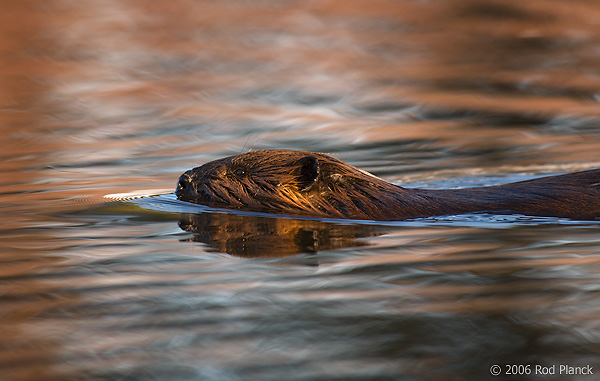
{"x":105,"y":97}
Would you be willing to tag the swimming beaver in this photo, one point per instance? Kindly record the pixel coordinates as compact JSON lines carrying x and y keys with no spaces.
{"x":314,"y":184}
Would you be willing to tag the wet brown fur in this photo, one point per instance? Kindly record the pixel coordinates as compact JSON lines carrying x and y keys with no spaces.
{"x":314,"y":184}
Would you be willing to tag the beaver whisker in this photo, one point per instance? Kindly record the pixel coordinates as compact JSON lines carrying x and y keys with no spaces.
{"x":204,"y":190}
{"x":218,"y":194}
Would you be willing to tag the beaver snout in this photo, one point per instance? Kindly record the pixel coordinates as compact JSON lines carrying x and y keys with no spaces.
{"x":192,"y":186}
{"x":185,"y":188}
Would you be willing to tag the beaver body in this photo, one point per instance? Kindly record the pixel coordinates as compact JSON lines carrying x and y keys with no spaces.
{"x":313,"y":184}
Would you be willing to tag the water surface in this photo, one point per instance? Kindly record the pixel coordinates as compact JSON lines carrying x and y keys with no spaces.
{"x":105,"y":97}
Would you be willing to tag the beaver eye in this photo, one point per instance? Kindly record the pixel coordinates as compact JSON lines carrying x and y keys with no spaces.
{"x":240,"y":172}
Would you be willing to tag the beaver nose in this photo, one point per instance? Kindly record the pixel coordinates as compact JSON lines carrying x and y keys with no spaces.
{"x":184,"y":185}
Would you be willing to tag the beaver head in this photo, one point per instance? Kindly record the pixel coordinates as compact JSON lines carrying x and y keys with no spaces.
{"x":289,"y":182}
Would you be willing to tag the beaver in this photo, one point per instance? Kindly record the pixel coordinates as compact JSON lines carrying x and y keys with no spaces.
{"x":317,"y":185}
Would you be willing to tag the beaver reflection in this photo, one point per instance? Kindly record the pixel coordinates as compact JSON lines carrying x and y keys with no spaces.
{"x":252,"y":236}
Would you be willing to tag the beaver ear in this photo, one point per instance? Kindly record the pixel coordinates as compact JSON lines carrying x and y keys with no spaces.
{"x":308,"y":172}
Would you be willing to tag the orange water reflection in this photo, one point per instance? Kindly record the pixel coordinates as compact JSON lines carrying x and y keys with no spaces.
{"x":104,"y":97}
